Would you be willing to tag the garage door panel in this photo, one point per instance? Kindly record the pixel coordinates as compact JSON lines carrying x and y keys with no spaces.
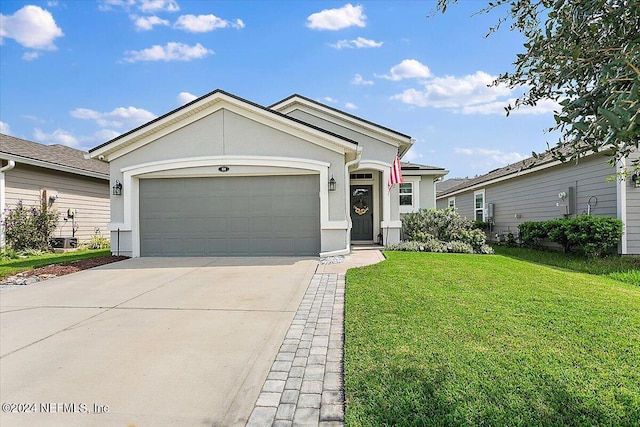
{"x":233,"y":216}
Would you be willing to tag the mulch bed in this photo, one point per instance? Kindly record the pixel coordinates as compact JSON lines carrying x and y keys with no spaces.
{"x":73,"y":266}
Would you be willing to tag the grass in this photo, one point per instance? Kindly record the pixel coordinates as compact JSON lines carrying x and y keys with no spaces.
{"x":625,"y":269}
{"x":15,"y":266}
{"x":452,"y":339}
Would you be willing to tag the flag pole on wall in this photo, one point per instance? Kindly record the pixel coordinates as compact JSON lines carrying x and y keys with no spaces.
{"x":396,"y":173}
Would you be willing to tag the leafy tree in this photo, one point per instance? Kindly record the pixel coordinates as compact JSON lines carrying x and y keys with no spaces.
{"x":584,"y":54}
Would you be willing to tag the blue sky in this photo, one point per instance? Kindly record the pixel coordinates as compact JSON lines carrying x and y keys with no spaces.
{"x":81,"y":72}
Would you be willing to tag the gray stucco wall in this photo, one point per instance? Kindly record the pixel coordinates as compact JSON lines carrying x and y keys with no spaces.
{"x":373,"y":149}
{"x":228,"y":133}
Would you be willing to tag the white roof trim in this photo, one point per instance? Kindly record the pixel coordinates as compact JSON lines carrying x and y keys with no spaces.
{"x":370,"y":129}
{"x":54,"y":166}
{"x":209,"y":105}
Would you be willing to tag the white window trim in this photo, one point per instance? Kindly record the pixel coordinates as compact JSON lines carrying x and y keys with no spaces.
{"x":452,"y":199}
{"x":415,"y":205}
{"x":475,"y":210}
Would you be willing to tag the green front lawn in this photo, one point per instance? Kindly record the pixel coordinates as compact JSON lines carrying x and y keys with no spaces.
{"x":15,"y":266}
{"x":452,"y":339}
{"x":625,"y":269}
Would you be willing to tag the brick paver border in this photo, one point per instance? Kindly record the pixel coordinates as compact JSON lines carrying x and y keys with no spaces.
{"x":305,"y":384}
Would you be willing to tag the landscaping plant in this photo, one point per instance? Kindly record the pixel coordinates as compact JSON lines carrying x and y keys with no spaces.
{"x":29,"y":227}
{"x":441,"y":230}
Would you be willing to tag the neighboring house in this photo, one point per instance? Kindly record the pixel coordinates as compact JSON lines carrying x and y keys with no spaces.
{"x":449,"y":183}
{"x":539,"y":190}
{"x":61,"y":175}
{"x":223,"y":176}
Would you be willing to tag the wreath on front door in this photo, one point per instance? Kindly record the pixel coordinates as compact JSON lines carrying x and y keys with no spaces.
{"x":360,"y":207}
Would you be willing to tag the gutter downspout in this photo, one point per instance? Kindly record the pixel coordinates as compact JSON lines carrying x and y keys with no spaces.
{"x":621,"y":187}
{"x":347,"y":192}
{"x":10,"y":165}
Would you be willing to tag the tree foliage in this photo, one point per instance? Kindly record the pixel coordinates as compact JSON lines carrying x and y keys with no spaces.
{"x":584,"y":54}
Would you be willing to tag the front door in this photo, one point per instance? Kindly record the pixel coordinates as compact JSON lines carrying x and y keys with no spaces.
{"x":362,"y":212}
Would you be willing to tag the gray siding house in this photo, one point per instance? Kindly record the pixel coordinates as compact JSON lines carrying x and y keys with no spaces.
{"x":223,"y":176}
{"x":539,"y":190}
{"x":30,"y":171}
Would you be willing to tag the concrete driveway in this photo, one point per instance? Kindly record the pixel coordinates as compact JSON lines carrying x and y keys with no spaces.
{"x":146,"y":341}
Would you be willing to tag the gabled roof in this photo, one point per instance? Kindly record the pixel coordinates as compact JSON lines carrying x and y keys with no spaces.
{"x":57,"y":157}
{"x":418,"y":169}
{"x":528,"y":165}
{"x":200,"y":104}
{"x":402,"y":139}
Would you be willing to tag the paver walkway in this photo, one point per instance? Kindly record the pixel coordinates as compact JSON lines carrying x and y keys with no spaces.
{"x":305,"y":383}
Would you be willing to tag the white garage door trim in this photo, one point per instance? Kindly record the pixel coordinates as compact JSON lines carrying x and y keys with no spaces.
{"x":131,"y":176}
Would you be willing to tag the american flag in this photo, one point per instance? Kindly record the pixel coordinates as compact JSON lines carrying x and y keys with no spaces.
{"x":396,"y":174}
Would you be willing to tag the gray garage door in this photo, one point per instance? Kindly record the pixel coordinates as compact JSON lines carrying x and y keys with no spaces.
{"x":230,"y":216}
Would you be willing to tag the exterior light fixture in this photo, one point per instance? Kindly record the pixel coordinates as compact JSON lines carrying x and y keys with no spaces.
{"x":636,"y":179}
{"x":332,"y":184}
{"x":117,"y":188}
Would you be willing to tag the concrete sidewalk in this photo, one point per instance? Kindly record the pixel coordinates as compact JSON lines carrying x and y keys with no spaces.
{"x":147,"y":341}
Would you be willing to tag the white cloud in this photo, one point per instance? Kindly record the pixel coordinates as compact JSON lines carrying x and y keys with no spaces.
{"x":104,"y":135}
{"x":171,"y":52}
{"x":153,"y":6}
{"x":490,"y":156}
{"x":412,"y":155}
{"x":337,"y":19}
{"x":4,"y":128}
{"x":146,"y":23}
{"x":350,"y":106}
{"x":185,"y":98}
{"x":58,"y":136}
{"x":454,"y":93}
{"x":330,"y":99}
{"x":106,"y":5}
{"x":32,"y":27}
{"x":30,"y":56}
{"x":359,"y":43}
{"x":358,"y":80}
{"x":119,"y":117}
{"x":407,"y":69}
{"x":205,"y":23}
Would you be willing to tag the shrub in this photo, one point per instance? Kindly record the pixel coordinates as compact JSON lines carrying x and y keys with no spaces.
{"x":531,"y":233}
{"x":29,"y":228}
{"x":97,"y":241}
{"x":595,"y":235}
{"x":443,"y":231}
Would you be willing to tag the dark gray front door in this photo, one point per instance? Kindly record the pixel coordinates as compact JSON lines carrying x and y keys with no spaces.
{"x":362,"y":212}
{"x":230,"y":216}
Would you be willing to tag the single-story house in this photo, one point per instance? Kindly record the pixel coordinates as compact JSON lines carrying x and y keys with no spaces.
{"x":76,"y":187}
{"x":224,"y":176}
{"x":544,"y":189}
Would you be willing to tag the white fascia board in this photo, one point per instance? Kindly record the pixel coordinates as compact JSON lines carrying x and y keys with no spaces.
{"x":54,"y":166}
{"x":425,"y":172}
{"x":211,"y":105}
{"x":502,"y":178}
{"x":366,"y":128}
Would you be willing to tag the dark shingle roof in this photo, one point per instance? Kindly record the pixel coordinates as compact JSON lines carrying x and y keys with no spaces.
{"x":512,"y":169}
{"x":52,"y":155}
{"x":408,"y":166}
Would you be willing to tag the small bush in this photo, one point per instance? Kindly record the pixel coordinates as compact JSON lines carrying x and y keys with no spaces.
{"x":531,"y":233}
{"x":97,"y":241}
{"x":8,"y":254}
{"x":29,"y":228}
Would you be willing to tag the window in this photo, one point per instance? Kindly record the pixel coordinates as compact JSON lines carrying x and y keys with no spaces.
{"x":361,"y":176}
{"x":451,"y":202}
{"x":406,"y":194}
{"x":478,"y":207}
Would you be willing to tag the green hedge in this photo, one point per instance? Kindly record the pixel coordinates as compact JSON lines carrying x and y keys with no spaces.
{"x":594,"y":235}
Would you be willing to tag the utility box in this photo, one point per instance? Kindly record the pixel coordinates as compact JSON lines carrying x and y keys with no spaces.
{"x":64,"y":242}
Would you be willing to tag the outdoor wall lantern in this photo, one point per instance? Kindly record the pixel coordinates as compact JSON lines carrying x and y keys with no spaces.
{"x":117,"y":188}
{"x":636,"y":179}
{"x":332,"y":184}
